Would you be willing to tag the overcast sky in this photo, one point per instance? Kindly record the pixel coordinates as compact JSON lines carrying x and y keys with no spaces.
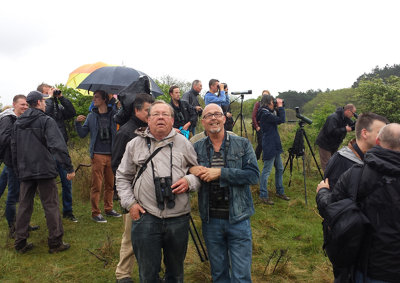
{"x":276,"y":45}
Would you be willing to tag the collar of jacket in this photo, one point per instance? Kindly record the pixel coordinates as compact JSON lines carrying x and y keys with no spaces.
{"x":194,"y":92}
{"x":139,"y":123}
{"x":166,"y":140}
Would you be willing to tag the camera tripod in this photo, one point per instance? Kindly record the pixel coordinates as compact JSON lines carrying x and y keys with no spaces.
{"x":297,"y":150}
{"x":240,"y":115}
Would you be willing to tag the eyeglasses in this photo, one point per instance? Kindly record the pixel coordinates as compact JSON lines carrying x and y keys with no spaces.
{"x":164,"y":114}
{"x":210,"y":115}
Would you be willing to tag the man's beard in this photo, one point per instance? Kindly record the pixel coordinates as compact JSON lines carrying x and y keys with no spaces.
{"x":215,"y":131}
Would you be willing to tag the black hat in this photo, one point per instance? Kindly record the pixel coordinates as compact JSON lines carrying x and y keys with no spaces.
{"x":34,"y":96}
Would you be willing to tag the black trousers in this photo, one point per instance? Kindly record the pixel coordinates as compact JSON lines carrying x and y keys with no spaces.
{"x":49,"y":197}
{"x":259,"y":144}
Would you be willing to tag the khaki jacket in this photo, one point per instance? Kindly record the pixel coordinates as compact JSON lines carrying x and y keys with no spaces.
{"x":136,"y":153}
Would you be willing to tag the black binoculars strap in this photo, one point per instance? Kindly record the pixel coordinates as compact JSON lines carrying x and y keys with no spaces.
{"x":152,"y":165}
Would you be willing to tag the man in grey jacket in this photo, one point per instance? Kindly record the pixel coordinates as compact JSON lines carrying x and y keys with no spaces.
{"x":158,"y":203}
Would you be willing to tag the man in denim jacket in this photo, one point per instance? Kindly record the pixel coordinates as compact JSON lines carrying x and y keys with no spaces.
{"x":228,"y":167}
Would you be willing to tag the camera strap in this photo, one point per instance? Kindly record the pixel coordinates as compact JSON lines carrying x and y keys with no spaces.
{"x":152,"y":165}
{"x":144,"y":166}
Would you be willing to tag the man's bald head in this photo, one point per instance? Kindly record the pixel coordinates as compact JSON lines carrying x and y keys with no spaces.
{"x":389,"y":137}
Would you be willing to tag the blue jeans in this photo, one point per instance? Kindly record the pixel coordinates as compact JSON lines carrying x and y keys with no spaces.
{"x":3,"y":180}
{"x":12,"y":196}
{"x":277,"y":162}
{"x":360,"y":279}
{"x":149,"y":236}
{"x":66,"y":190}
{"x":229,"y":250}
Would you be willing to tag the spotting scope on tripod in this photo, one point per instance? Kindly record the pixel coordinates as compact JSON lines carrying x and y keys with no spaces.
{"x":240,"y":115}
{"x":298,"y":149}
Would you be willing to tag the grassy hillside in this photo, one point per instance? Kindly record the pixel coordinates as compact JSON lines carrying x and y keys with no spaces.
{"x":292,"y":229}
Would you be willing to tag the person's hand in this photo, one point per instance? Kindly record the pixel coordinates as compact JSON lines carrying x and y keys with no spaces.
{"x":135,"y":211}
{"x":210,"y":174}
{"x":228,"y":114}
{"x":180,"y":186}
{"x":198,"y":108}
{"x":348,"y":128}
{"x":323,"y":184}
{"x":258,"y":129}
{"x":221,"y":87}
{"x":186,"y":126}
{"x":70,"y":176}
{"x":81,"y":118}
{"x":197,"y":170}
{"x":279,"y":102}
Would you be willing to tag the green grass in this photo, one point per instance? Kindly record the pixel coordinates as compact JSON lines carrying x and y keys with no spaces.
{"x":291,"y":226}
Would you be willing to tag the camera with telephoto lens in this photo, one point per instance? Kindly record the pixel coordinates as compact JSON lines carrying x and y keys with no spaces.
{"x":164,"y":192}
{"x":56,"y":92}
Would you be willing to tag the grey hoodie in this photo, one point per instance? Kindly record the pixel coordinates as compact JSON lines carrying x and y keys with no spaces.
{"x":136,"y":153}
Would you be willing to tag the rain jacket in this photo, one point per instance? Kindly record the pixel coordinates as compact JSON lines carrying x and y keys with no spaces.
{"x":7,"y":119}
{"x":240,"y":171}
{"x":221,"y":99}
{"x":379,"y":194}
{"x":136,"y":153}
{"x":36,"y":145}
{"x":60,"y":112}
{"x":92,"y":125}
{"x":334,"y":131}
{"x":192,"y":97}
{"x":271,"y":141}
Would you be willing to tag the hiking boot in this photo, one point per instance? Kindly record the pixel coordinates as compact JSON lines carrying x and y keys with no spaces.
{"x":125,"y":280}
{"x":283,"y":196}
{"x":267,"y":201}
{"x":33,"y":227}
{"x":24,"y":249}
{"x":60,"y":248}
{"x":113,"y":213}
{"x":70,"y":217}
{"x":99,"y":219}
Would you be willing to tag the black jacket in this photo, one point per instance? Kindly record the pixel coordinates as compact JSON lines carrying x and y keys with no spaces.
{"x":340,"y":162}
{"x":60,"y":112}
{"x":192,"y":97}
{"x":188,"y":114}
{"x":124,"y":135}
{"x":334,"y":131}
{"x":7,"y":119}
{"x":379,"y":194}
{"x":36,"y":144}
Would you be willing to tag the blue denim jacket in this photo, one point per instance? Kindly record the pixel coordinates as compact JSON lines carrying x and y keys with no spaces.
{"x":241,"y":171}
{"x":92,"y":125}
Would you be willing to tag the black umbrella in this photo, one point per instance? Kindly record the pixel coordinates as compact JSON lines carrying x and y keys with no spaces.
{"x":113,"y":79}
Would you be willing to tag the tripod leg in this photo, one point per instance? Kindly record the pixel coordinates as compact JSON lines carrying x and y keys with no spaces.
{"x":312,"y":153}
{"x":304,"y":176}
{"x":195,"y":244}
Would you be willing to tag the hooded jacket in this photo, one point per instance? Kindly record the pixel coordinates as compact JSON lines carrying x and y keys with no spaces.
{"x":7,"y":119}
{"x":379,"y":194}
{"x":334,"y":131}
{"x":136,"y":153}
{"x":36,"y":145}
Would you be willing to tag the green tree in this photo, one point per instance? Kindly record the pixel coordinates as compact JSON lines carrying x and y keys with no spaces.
{"x":381,"y":97}
{"x":165,"y":82}
{"x":383,"y":73}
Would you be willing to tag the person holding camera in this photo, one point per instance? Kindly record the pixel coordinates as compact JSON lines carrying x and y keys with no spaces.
{"x":216,"y":94}
{"x":153,"y":183}
{"x":271,"y":145}
{"x":332,"y":134}
{"x":60,"y":109}
{"x":102,"y":128}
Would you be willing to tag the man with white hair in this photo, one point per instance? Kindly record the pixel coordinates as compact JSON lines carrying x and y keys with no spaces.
{"x":378,"y":193}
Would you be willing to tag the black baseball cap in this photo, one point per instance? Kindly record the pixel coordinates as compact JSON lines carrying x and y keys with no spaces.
{"x":34,"y":96}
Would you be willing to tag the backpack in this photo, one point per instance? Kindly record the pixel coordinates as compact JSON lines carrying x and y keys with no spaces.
{"x":345,"y":227}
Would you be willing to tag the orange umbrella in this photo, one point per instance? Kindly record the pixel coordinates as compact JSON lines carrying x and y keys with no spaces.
{"x":79,"y":74}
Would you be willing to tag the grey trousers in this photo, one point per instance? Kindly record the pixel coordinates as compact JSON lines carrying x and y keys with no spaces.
{"x":49,"y":197}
